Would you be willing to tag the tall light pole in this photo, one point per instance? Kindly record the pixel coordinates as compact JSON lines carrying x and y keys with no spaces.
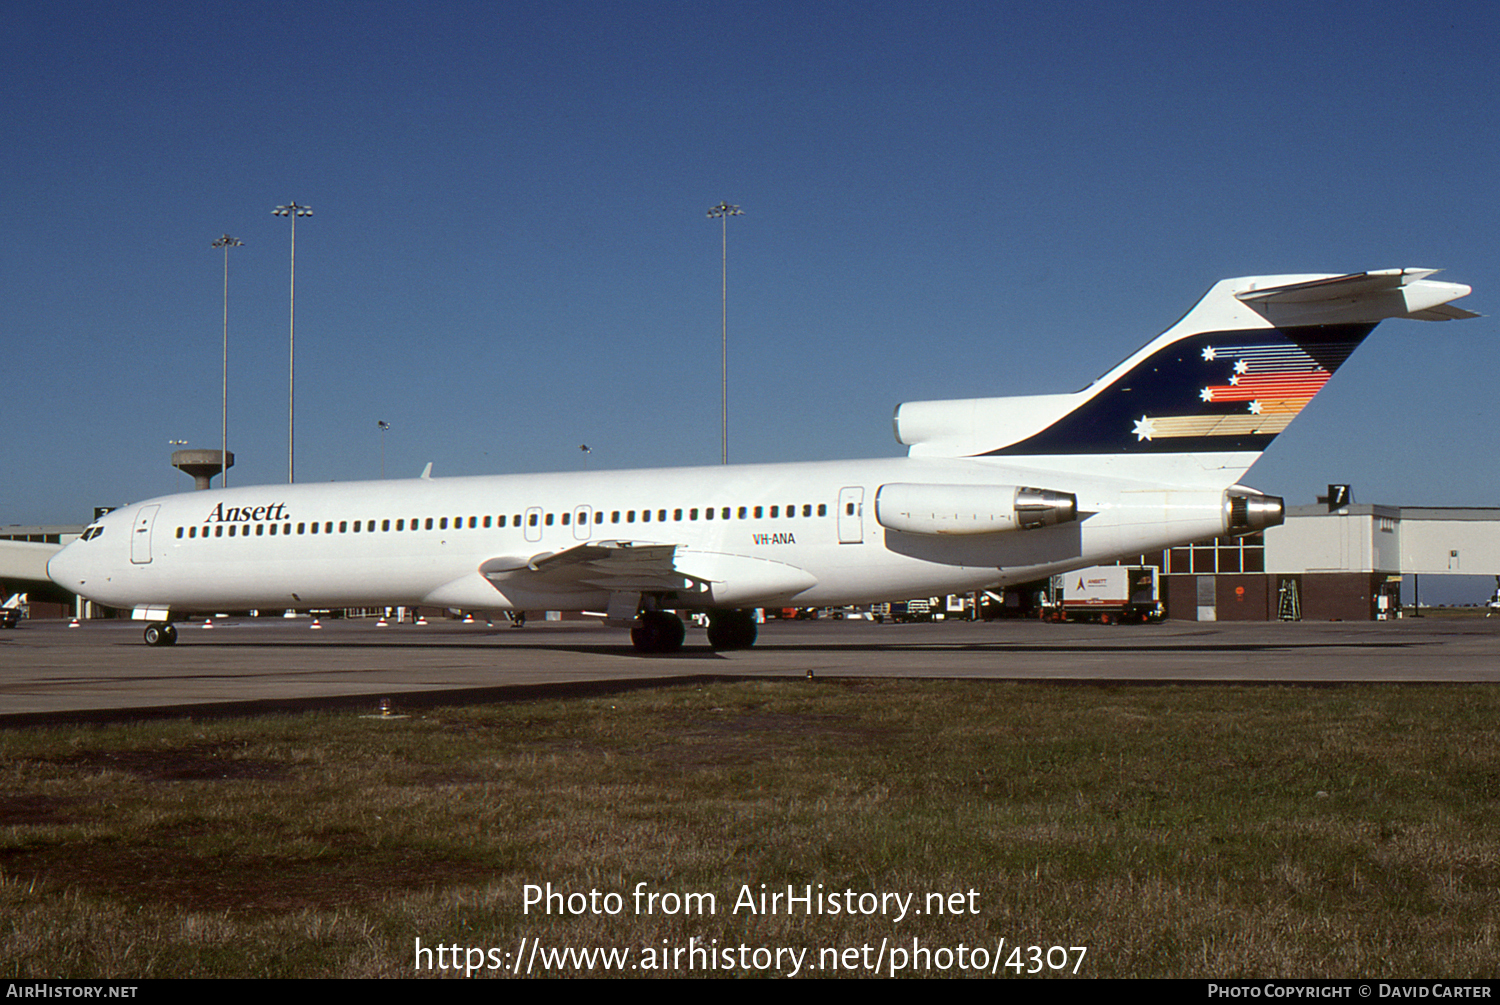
{"x":292,"y":210}
{"x":383,"y":427}
{"x":722,"y":212}
{"x":226,"y":242}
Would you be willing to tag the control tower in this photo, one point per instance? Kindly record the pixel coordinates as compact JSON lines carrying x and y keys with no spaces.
{"x":202,"y":464}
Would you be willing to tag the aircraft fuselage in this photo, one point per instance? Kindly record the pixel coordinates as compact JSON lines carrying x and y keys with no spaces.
{"x":749,"y":535}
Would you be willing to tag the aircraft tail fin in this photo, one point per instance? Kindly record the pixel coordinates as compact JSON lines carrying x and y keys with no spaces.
{"x":1227,"y":378}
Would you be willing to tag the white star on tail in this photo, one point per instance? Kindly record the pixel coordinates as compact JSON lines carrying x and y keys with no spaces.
{"x":1145,"y":428}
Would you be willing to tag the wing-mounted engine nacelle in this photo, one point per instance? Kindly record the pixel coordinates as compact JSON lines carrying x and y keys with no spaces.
{"x":1246,"y":513}
{"x":970,"y":509}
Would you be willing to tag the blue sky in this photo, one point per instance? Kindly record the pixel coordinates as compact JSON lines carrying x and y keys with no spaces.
{"x":510,"y":254}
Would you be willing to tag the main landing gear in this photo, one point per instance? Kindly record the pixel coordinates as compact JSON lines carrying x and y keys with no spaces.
{"x":161,"y":633}
{"x":663,"y":632}
{"x":657,"y":632}
{"x":731,"y":629}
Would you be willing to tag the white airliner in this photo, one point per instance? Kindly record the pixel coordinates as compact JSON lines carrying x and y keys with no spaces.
{"x":993,"y":491}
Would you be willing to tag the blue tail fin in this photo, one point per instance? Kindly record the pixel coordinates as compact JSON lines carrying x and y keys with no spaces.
{"x":1227,"y":378}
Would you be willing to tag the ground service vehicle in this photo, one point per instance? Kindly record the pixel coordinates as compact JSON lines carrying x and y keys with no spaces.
{"x":1108,"y":594}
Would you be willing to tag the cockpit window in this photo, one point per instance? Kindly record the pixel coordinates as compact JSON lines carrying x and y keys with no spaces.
{"x":92,"y":532}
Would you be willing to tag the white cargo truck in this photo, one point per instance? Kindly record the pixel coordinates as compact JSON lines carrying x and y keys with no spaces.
{"x":1108,"y":594}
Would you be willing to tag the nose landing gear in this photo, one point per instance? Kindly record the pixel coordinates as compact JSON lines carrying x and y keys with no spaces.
{"x":162,"y":633}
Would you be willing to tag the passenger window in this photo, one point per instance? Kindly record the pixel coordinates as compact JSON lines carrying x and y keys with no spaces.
{"x":179,"y":531}
{"x":565,"y":518}
{"x":661,"y":516}
{"x":219,"y":531}
{"x":822,"y":509}
{"x":708,"y":514}
{"x":549,"y":520}
{"x":486,"y":521}
{"x":630,"y":517}
{"x":758,"y":511}
{"x":645,"y":516}
{"x":614,"y":517}
{"x":807,"y":509}
{"x":344,"y":526}
{"x":693,"y":513}
{"x":260,"y":529}
{"x":532,"y":520}
{"x":356,"y":527}
{"x":677,"y":515}
{"x":443,"y":523}
{"x":429,"y":523}
{"x":743,"y":511}
{"x":474,"y":522}
{"x":328,"y":526}
{"x":500,"y":520}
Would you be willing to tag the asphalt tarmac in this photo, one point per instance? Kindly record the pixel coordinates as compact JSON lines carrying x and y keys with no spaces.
{"x":102,"y":671}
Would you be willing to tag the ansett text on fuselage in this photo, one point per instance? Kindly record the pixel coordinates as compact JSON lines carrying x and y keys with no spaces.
{"x":247,"y":514}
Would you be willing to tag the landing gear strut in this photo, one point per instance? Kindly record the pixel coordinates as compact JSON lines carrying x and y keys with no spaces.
{"x":731,"y":629}
{"x":161,"y":634}
{"x":657,"y":632}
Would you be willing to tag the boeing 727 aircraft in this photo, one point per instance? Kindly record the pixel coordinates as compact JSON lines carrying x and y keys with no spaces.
{"x":993,"y":491}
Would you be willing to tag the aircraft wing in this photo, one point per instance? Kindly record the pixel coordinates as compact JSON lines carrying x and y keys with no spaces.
{"x":616,"y":566}
{"x":629,"y":570}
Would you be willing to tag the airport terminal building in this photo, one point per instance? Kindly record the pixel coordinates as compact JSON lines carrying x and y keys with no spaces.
{"x":1345,"y":564}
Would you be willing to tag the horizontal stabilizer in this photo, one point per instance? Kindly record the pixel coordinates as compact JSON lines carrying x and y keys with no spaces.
{"x":1359,"y":297}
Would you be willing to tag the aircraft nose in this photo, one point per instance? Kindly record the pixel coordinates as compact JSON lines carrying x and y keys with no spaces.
{"x":63,"y":568}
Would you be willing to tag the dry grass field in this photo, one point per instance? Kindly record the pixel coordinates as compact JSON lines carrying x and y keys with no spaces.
{"x":1122,"y":830}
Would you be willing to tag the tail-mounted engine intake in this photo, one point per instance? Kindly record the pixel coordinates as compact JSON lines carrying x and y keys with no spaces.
{"x":1246,"y":514}
{"x":970,"y":509}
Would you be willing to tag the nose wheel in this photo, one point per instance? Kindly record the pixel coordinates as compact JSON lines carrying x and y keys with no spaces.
{"x":163,"y":634}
